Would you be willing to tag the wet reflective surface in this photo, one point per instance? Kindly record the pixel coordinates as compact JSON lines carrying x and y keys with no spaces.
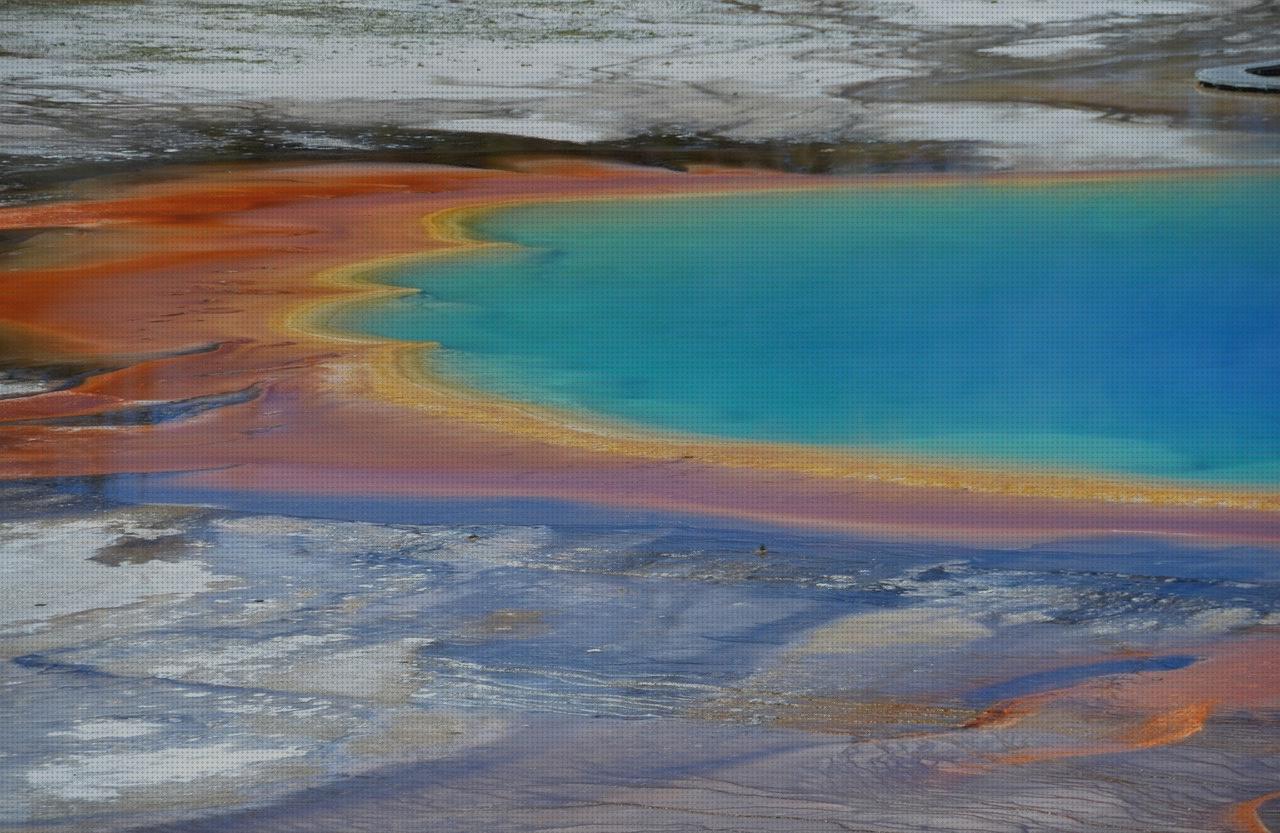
{"x":168,"y":663}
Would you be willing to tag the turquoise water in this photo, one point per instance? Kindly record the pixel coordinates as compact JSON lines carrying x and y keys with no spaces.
{"x":1125,"y":327}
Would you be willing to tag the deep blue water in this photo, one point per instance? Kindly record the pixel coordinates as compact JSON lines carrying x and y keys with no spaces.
{"x":1071,"y":675}
{"x":1130,"y":326}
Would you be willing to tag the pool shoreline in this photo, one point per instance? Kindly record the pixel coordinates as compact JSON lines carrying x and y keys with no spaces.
{"x":347,"y":376}
{"x":453,"y":228}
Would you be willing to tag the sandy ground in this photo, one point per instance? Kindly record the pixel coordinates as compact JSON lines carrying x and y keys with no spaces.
{"x":998,"y":83}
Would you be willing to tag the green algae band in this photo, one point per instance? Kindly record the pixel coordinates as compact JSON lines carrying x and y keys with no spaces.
{"x":1125,"y":326}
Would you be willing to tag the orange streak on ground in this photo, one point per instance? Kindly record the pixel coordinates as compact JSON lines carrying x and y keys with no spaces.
{"x":1244,"y":817}
{"x":1147,"y":710}
{"x":1169,"y":727}
{"x":249,"y":258}
{"x":1160,"y":729}
{"x":1010,"y":712}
